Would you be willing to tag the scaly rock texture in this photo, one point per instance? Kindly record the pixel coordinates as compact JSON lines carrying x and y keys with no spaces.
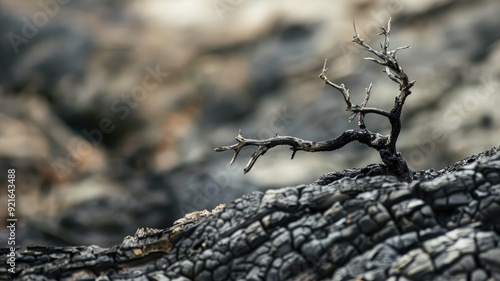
{"x":254,"y":67}
{"x":354,"y":224}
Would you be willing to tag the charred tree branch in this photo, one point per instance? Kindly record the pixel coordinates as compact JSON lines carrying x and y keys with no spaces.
{"x":385,"y":145}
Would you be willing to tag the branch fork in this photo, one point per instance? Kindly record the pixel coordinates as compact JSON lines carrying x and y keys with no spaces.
{"x":385,"y":145}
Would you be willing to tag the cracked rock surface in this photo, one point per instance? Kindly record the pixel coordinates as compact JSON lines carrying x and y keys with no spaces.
{"x":256,"y":70}
{"x":349,"y":225}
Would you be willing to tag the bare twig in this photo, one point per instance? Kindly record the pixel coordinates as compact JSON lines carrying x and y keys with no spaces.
{"x":395,"y":72}
{"x":373,"y":140}
{"x":361,"y":119}
{"x":345,"y":93}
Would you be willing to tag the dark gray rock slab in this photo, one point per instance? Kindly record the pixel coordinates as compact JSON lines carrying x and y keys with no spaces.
{"x":351,"y":227}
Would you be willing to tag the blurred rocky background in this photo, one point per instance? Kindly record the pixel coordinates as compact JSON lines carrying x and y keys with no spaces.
{"x":110,"y":110}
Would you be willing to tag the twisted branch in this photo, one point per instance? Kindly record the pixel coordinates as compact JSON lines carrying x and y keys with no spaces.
{"x":373,"y":140}
{"x":386,"y":145}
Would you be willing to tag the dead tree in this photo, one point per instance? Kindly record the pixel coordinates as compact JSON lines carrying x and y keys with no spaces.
{"x":384,"y":144}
